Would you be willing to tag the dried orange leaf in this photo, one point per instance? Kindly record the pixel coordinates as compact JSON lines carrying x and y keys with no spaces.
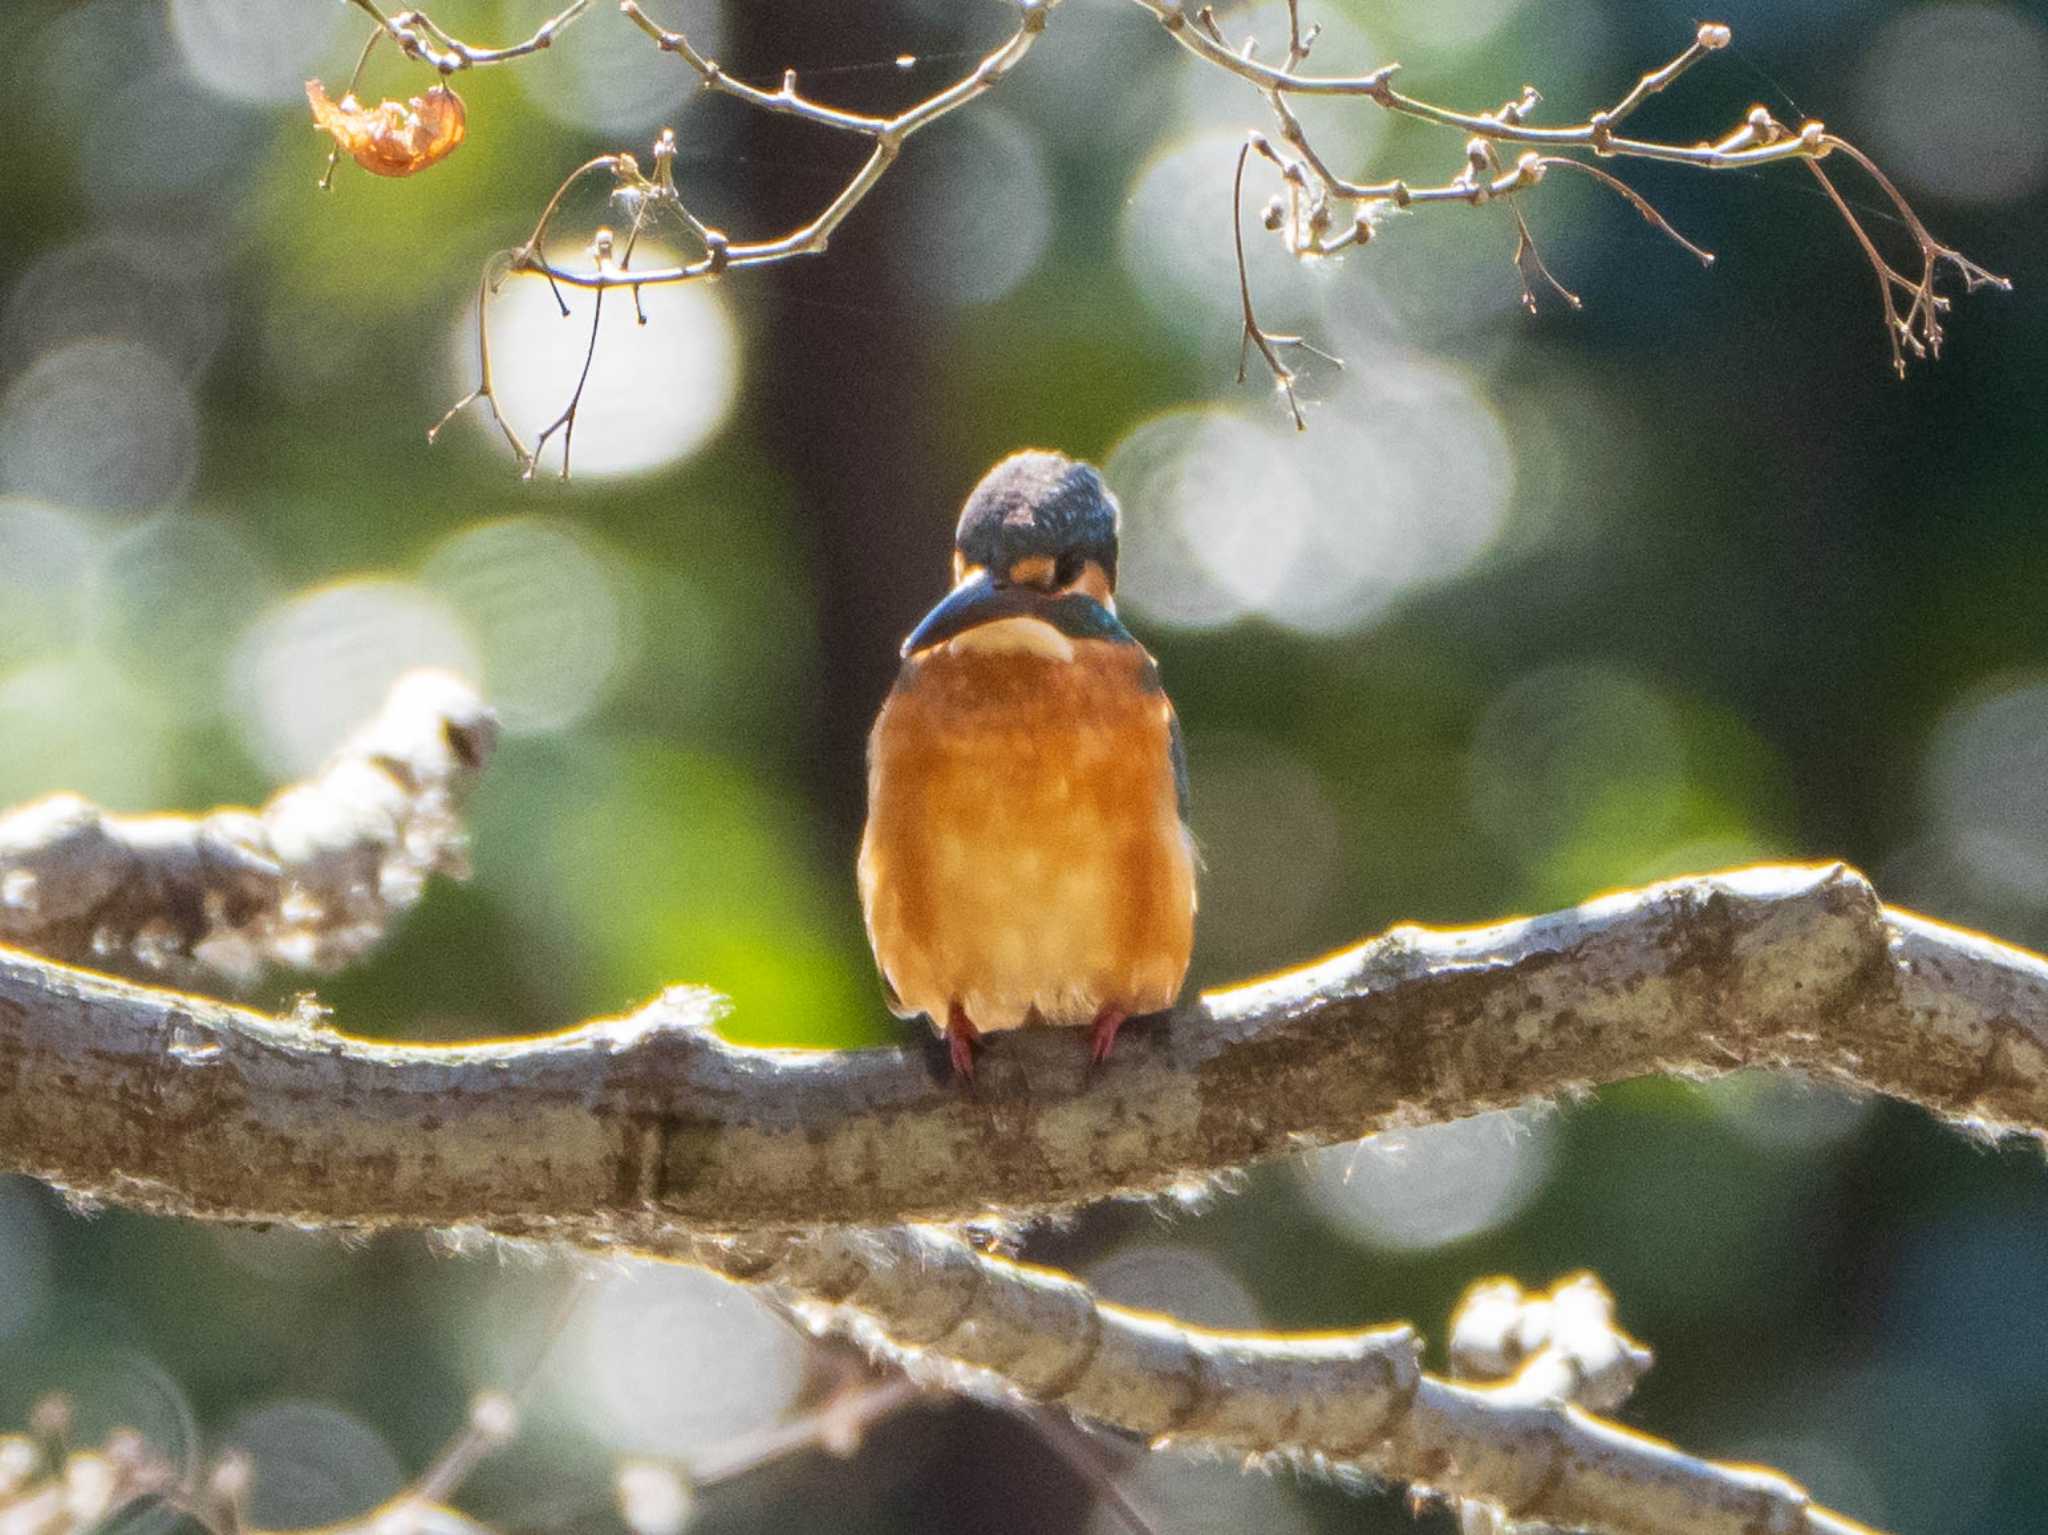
{"x":393,"y":138}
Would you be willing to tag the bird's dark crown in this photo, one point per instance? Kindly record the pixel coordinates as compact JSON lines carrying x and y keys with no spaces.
{"x":1039,"y":504}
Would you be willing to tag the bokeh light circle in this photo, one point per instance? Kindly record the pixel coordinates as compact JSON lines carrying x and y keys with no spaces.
{"x":111,"y":1388}
{"x":1449,"y":25}
{"x":542,"y":602}
{"x":1213,"y":510}
{"x":101,"y":424}
{"x":1987,"y":787}
{"x":980,"y":209}
{"x":1423,"y":1187}
{"x":161,"y":291}
{"x":25,"y":1260}
{"x":311,"y":1463}
{"x":75,"y":721}
{"x":1177,"y":1281}
{"x":44,"y":553}
{"x":254,"y":53}
{"x":1956,"y":99}
{"x":1273,"y":842}
{"x":1405,"y":482}
{"x":611,"y":80}
{"x":316,"y":666}
{"x":1568,"y":751}
{"x":673,"y":1359}
{"x":1411,"y":475}
{"x":1173,"y":239}
{"x":1344,"y":131}
{"x":1786,"y":1110}
{"x":164,"y":600}
{"x":655,"y":394}
{"x":159,"y":142}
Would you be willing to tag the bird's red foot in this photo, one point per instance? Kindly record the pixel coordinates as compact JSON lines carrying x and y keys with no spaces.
{"x":961,"y":1038}
{"x":1107,"y":1022}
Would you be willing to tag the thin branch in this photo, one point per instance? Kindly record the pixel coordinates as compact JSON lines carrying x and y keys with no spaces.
{"x":622,"y":1129}
{"x":1254,"y":335}
{"x":1307,"y":212}
{"x":1635,"y":200}
{"x":418,"y":37}
{"x":650,"y":195}
{"x":838,"y":1425}
{"x":1918,"y":330}
{"x":311,"y":881}
{"x":1358,"y":1400}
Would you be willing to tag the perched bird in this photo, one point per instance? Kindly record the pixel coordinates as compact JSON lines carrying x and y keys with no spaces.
{"x":1027,"y":858}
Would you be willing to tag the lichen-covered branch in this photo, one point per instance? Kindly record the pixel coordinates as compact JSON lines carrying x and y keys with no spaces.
{"x":310,"y":881}
{"x":625,"y":1128}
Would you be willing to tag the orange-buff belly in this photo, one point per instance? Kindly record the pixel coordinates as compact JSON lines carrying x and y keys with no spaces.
{"x":1024,"y":853}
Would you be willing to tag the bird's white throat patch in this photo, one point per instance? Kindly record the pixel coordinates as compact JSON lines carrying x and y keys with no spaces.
{"x":1010,"y":636}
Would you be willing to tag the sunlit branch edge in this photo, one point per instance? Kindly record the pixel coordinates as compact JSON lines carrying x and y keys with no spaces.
{"x":796,"y":1170}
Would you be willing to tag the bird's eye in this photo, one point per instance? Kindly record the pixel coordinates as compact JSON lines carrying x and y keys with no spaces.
{"x":1069,"y":568}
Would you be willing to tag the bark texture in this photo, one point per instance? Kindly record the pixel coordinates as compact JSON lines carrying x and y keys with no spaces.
{"x":627,"y":1127}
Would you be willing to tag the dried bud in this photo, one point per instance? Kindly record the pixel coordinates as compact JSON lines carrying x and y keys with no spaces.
{"x":653,"y":1499}
{"x":1714,"y":36}
{"x":393,"y":138}
{"x":494,"y":1416}
{"x":1275,"y":214}
{"x":50,"y":1418}
{"x":230,"y":1477}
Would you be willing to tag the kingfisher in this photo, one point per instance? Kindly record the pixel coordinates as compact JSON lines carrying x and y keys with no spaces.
{"x":1027,"y":858}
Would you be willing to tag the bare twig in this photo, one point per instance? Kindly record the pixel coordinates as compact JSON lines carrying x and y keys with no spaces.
{"x":837,"y":1425}
{"x":418,"y":37}
{"x":49,"y":1486}
{"x":1254,"y":335}
{"x":718,"y":254}
{"x":1320,"y":213}
{"x":1635,"y":200}
{"x":1918,"y":330}
{"x":1306,"y":214}
{"x":311,"y":881}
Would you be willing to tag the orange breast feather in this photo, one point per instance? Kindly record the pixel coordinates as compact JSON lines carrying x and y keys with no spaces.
{"x":1024,"y":852}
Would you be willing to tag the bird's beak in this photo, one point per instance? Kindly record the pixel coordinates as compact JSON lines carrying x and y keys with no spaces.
{"x":976,"y":600}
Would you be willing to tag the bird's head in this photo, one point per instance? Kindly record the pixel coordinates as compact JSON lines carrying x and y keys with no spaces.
{"x":1037,"y":540}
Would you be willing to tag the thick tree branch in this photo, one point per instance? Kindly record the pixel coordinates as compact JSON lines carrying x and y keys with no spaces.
{"x":310,"y":881}
{"x":627,"y":1127}
{"x":650,"y":1134}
